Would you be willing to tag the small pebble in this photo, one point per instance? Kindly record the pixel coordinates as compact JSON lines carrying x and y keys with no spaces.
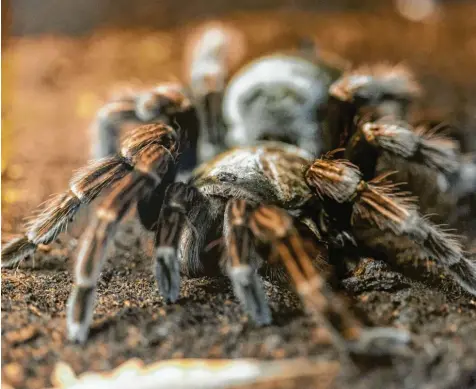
{"x":22,"y":335}
{"x":13,"y":373}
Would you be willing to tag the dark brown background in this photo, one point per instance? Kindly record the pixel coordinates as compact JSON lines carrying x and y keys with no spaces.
{"x":81,"y":17}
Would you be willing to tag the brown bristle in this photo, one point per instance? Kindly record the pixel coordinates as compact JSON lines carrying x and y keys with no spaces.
{"x":16,"y":250}
{"x":335,"y":179}
{"x":52,"y":218}
{"x":395,"y":80}
{"x":270,"y":223}
{"x":88,"y":182}
{"x":144,"y":135}
{"x":153,"y":160}
{"x":380,"y":203}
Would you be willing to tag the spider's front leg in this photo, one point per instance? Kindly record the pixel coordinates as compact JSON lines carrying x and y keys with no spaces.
{"x":271,"y":231}
{"x":181,"y":230}
{"x":242,"y":261}
{"x":146,"y":156}
{"x":88,"y":183}
{"x":92,"y":251}
{"x":211,"y":54}
{"x":274,"y":234}
{"x":387,"y":221}
{"x":150,"y":150}
{"x":165,"y":103}
{"x":430,"y":164}
{"x":370,"y":92}
{"x":274,"y":227}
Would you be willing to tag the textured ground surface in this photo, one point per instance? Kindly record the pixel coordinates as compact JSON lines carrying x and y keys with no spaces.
{"x":53,"y":87}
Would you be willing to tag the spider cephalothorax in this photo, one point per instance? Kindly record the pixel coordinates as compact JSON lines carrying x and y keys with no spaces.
{"x":272,"y":204}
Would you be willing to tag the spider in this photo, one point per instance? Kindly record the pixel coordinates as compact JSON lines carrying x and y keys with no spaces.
{"x":276,"y":201}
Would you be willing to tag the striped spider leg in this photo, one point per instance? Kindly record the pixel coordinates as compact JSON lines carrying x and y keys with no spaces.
{"x":430,"y":164}
{"x":368,"y":110}
{"x":274,"y":234}
{"x":183,"y":224}
{"x":372,"y":92}
{"x":272,"y":226}
{"x":210,"y":55}
{"x":165,"y":103}
{"x":88,"y":183}
{"x":147,"y":155}
{"x":387,"y":221}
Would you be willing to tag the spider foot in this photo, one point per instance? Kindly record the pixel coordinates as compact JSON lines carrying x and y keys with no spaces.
{"x":16,"y":250}
{"x":80,"y":313}
{"x":167,"y":273}
{"x":380,"y":341}
{"x":248,"y":287}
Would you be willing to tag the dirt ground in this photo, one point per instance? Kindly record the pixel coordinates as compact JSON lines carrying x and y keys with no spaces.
{"x":52,"y":88}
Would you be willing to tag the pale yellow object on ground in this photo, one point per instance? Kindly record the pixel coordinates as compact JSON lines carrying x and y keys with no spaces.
{"x":195,"y":373}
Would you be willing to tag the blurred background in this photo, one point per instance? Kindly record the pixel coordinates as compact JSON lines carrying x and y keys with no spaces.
{"x":82,"y":17}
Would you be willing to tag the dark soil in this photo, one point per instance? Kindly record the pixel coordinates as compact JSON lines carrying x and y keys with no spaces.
{"x":52,"y":88}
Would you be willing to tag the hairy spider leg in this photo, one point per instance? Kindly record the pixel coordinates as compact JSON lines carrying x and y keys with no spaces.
{"x":165,"y":103}
{"x":367,"y":110}
{"x":242,"y":263}
{"x":151,"y":149}
{"x":108,"y":123}
{"x":271,"y":230}
{"x":274,"y":226}
{"x":92,"y":253}
{"x":180,"y":236}
{"x":370,"y":92}
{"x":429,"y":163}
{"x":88,"y":183}
{"x":209,"y":58}
{"x":386,"y":220}
{"x":53,"y":217}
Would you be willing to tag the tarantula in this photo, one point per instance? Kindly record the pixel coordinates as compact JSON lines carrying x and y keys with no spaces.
{"x":274,"y":199}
